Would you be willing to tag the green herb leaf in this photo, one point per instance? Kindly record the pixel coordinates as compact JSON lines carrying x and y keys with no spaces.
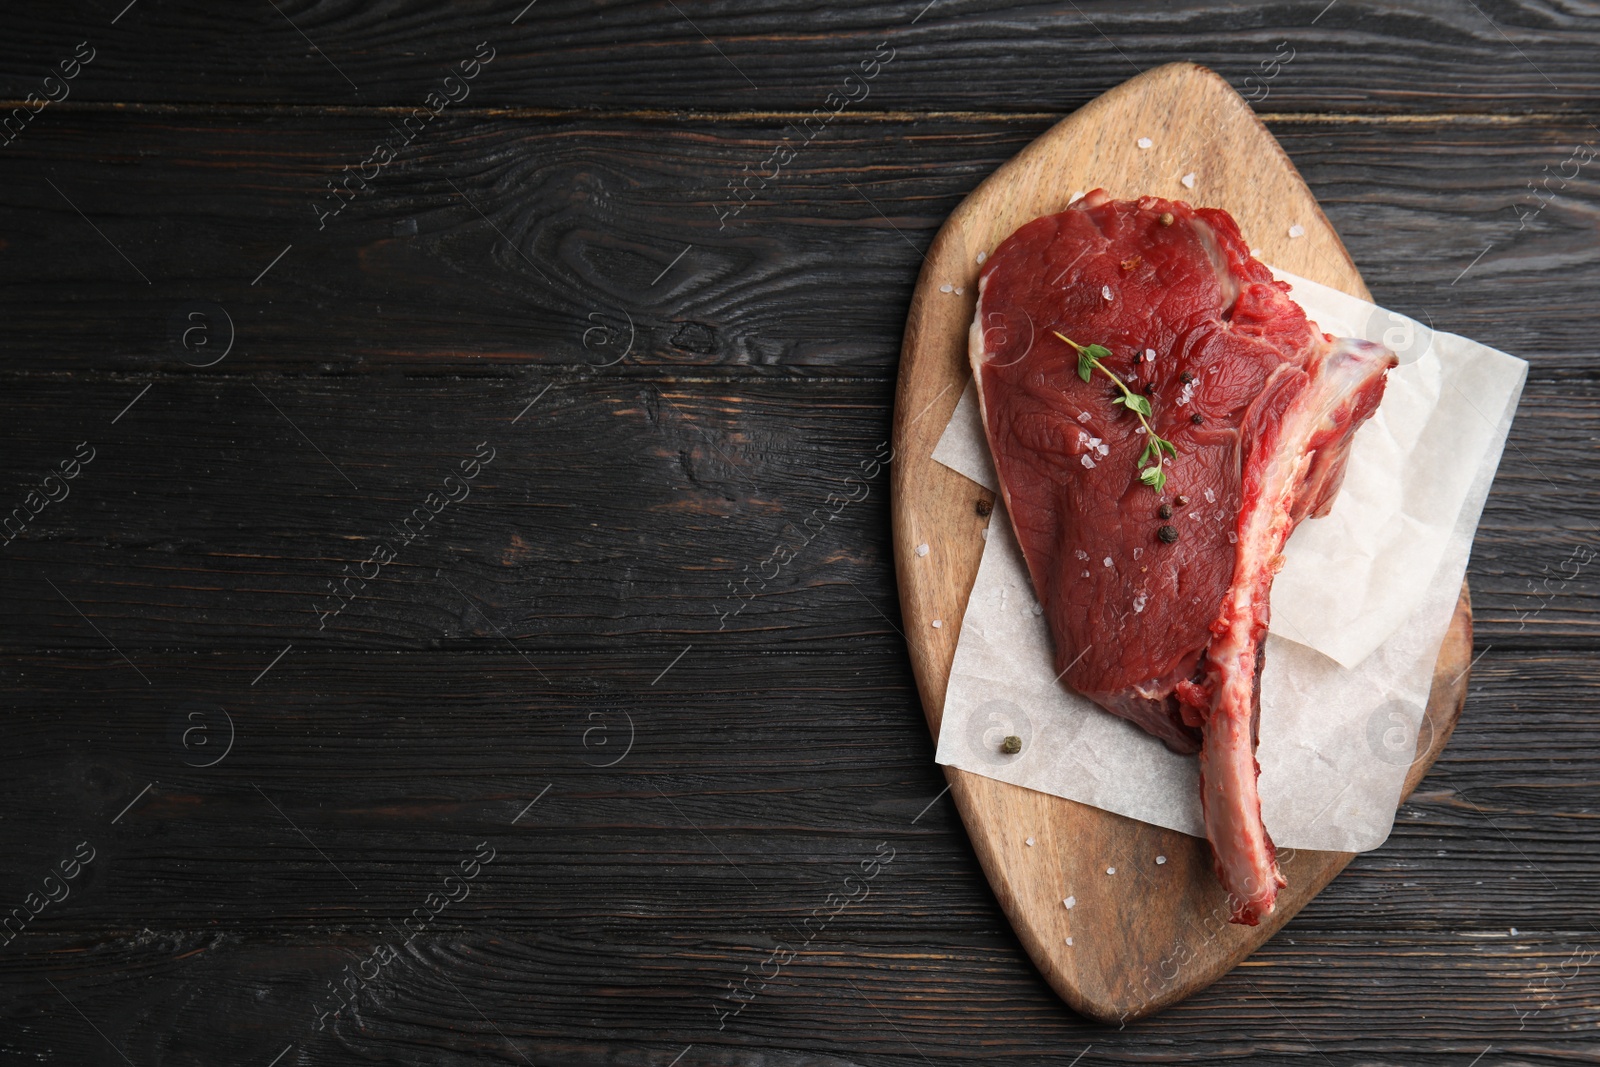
{"x":1150,"y":461}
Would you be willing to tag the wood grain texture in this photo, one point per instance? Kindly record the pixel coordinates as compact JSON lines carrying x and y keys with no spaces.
{"x":809,"y":279}
{"x":1355,"y":58}
{"x":606,"y":926}
{"x":1108,"y":957}
{"x":197,"y":142}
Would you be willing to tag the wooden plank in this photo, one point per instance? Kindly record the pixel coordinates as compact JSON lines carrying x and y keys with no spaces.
{"x":751,"y":780}
{"x":1506,"y":57}
{"x":615,"y":510}
{"x":639,"y":996}
{"x":808,"y":279}
{"x":207,"y":921}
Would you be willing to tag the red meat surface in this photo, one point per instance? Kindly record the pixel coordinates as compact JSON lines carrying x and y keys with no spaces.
{"x":1260,"y":406}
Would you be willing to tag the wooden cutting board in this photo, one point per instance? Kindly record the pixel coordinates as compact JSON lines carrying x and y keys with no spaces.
{"x":1143,"y":942}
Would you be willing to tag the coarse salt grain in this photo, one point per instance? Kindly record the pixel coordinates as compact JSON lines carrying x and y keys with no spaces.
{"x":984,"y":533}
{"x":1161,"y":859}
{"x":1233,"y":538}
{"x":1029,"y":842}
{"x":1070,"y":902}
{"x":1297,"y":230}
{"x":982,"y":256}
{"x":1083,"y":416}
{"x":1074,"y":198}
{"x":1139,"y":602}
{"x":1069,"y":941}
{"x":922,"y":550}
{"x":1150,"y":355}
{"x":1111,"y":870}
{"x":1086,"y":574}
{"x":1211,"y":496}
{"x":937,"y":623}
{"x":946,"y":288}
{"x":1188,"y":180}
{"x":1080,"y":553}
{"x":1086,"y":461}
{"x":1107,"y":561}
{"x":1145,"y":142}
{"x":1105,"y":291}
{"x":959,"y":290}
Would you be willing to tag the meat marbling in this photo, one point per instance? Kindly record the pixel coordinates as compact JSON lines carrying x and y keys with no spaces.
{"x":1260,"y":406}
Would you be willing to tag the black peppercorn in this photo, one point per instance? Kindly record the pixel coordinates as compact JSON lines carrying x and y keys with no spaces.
{"x":1185,"y":377}
{"x":1198,"y":419}
{"x":1168,"y":534}
{"x":1165,"y":511}
{"x":1011,"y":745}
{"x":984,"y":506}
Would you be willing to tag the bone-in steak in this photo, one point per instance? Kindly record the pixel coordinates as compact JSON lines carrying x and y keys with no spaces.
{"x":1158,"y":598}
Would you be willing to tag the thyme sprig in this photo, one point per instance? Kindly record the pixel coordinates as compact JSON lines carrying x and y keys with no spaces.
{"x":1156,"y":448}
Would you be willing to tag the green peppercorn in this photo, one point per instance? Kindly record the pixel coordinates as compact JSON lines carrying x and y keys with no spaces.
{"x":1011,"y":745}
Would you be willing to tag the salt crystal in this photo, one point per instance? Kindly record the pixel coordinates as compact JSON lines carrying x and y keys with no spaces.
{"x":1080,"y":553}
{"x":1150,"y":355}
{"x":1083,"y":416}
{"x":1211,"y":496}
{"x":946,"y":288}
{"x":937,"y":623}
{"x":1513,"y":931}
{"x":1086,"y":461}
{"x":1104,"y":450}
{"x":982,"y":256}
{"x":1139,"y":602}
{"x":1069,"y":940}
{"x":1086,"y":574}
{"x":1161,"y":859}
{"x":1074,"y":198}
{"x":984,"y":533}
{"x":1107,"y":561}
{"x":1188,"y":180}
{"x":1233,"y":538}
{"x":1029,"y":842}
{"x":1105,"y":291}
{"x":1070,"y":901}
{"x":1111,"y":870}
{"x":959,"y":290}
{"x":922,"y":550}
{"x":1137,"y":552}
{"x":1297,"y":230}
{"x":1145,"y":142}
{"x":1038,"y":608}
{"x":1256,"y":253}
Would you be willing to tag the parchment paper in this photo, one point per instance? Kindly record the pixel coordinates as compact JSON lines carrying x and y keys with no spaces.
{"x":1358,"y":614}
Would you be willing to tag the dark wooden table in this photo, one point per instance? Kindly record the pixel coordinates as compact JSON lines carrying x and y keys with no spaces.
{"x":374,"y":685}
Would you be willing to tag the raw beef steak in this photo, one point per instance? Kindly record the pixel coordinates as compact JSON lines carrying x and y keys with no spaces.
{"x":1154,"y":566}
